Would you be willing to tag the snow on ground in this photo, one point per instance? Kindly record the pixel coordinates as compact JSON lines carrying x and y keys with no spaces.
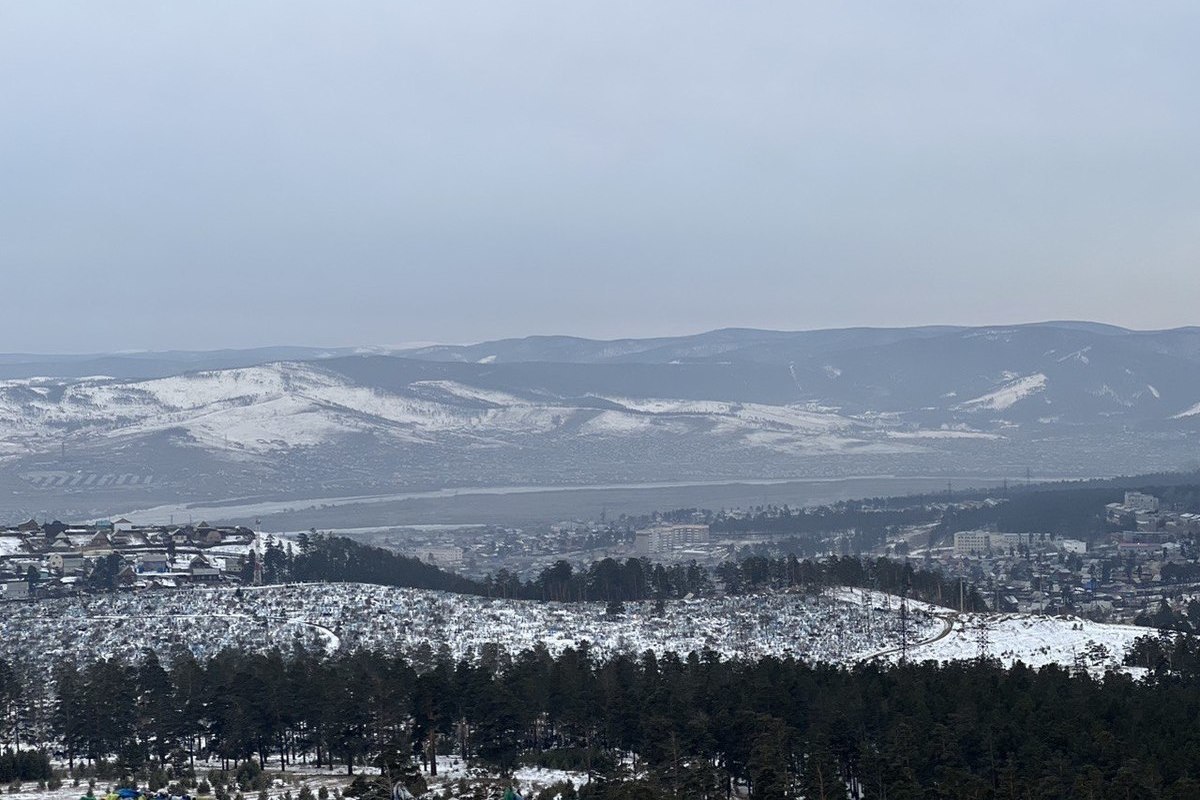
{"x":1007,"y":395}
{"x":623,"y":423}
{"x":451,"y":770}
{"x":12,"y":545}
{"x":1033,"y":640}
{"x":264,"y":410}
{"x":1029,"y":638}
{"x":528,"y":780}
{"x":883,"y":600}
{"x":350,"y":617}
{"x":799,"y":418}
{"x":1079,"y":356}
{"x":456,"y":389}
{"x":942,"y":434}
{"x":653,"y":405}
{"x":1191,"y":412}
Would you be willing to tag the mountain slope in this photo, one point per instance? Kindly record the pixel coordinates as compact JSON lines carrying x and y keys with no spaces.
{"x":1062,"y":398}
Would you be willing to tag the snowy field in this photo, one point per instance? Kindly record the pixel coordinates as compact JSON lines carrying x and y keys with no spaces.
{"x":355,"y":616}
{"x":1035,"y":641}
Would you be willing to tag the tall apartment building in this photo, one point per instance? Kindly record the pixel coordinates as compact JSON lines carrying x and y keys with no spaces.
{"x":665,"y":538}
{"x":977,"y":542}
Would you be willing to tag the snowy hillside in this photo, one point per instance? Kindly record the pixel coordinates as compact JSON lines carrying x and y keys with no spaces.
{"x":353,"y":616}
{"x":1034,"y":641}
{"x":843,"y":627}
{"x":1056,"y":399}
{"x":260,"y":410}
{"x":1007,"y":395}
{"x":254,"y":410}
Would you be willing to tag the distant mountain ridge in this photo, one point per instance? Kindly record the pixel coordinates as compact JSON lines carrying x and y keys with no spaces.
{"x":1064,"y":398}
{"x":764,"y":345}
{"x":1085,"y":368}
{"x":155,"y":364}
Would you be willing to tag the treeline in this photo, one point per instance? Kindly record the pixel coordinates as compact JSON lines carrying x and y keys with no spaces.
{"x":647,"y":727}
{"x":1075,"y":512}
{"x":882,"y":574}
{"x":604,"y":580}
{"x":322,"y":557}
{"x":1168,"y":656}
{"x":1186,"y":620}
{"x":337,"y":559}
{"x":1071,"y":509}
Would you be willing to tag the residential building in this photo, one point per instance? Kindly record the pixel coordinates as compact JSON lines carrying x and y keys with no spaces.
{"x":668,"y":538}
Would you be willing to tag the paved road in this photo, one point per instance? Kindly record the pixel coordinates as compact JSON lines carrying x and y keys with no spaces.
{"x":947,"y":619}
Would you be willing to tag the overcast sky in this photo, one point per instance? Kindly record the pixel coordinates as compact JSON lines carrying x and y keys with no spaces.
{"x":213,"y":174}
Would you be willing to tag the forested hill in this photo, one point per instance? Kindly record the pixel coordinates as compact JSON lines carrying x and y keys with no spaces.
{"x":324,"y":557}
{"x":339,"y":559}
{"x":698,"y":727}
{"x":1074,"y":508}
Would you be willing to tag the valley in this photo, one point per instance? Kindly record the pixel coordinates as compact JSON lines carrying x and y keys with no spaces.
{"x":1053,"y":400}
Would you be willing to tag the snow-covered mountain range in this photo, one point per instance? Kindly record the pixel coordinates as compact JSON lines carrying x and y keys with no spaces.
{"x":1066,"y":398}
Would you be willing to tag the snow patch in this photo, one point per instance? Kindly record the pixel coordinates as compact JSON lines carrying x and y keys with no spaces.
{"x":1106,"y":391}
{"x":942,"y":434}
{"x":1079,"y":356}
{"x":1034,"y":640}
{"x":1007,"y":395}
{"x":1191,"y":412}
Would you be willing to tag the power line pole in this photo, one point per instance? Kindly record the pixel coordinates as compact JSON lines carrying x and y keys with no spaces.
{"x":981,"y":640}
